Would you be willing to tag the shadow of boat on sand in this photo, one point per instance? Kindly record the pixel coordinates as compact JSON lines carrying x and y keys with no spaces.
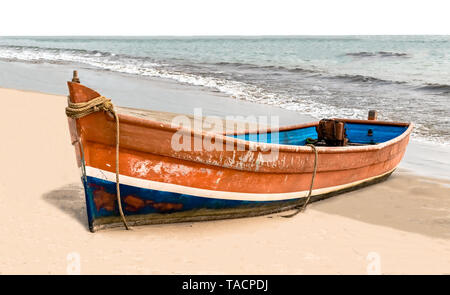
{"x":69,"y":199}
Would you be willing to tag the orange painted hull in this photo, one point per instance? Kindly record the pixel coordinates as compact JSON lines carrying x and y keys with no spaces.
{"x":147,"y":158}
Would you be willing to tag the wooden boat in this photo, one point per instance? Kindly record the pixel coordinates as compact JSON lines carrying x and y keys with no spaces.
{"x":161,"y":185}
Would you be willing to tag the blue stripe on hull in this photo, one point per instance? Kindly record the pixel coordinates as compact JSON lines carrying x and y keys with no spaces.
{"x":151,"y":201}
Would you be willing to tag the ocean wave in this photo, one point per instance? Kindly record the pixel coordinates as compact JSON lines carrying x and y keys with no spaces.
{"x":377,"y":54}
{"x":95,"y":58}
{"x":319,"y":73}
{"x":364,"y":79}
{"x":37,"y":54}
{"x":57,"y":50}
{"x":442,"y":88}
{"x":235,"y":64}
{"x":266,"y":67}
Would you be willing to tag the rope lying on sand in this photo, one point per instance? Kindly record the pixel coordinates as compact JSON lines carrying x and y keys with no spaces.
{"x":101,"y":103}
{"x":302,"y":208}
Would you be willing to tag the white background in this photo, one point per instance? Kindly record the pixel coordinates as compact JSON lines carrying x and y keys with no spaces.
{"x":225,"y":17}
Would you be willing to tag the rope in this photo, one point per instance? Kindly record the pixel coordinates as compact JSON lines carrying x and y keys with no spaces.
{"x":101,"y":103}
{"x":81,"y":109}
{"x":302,"y":208}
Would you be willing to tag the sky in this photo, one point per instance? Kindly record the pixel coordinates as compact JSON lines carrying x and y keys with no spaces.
{"x":224,"y":17}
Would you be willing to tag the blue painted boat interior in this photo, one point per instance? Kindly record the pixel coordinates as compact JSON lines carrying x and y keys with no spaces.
{"x":356,"y":133}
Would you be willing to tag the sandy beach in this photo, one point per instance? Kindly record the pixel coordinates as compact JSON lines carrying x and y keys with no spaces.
{"x":402,"y":224}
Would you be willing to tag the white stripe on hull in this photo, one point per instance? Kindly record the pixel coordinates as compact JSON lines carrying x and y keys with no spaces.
{"x":199,"y":192}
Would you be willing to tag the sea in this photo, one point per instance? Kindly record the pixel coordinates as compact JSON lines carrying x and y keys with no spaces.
{"x":405,"y":78}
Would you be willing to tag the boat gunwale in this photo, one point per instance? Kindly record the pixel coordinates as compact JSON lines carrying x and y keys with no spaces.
{"x":144,"y":122}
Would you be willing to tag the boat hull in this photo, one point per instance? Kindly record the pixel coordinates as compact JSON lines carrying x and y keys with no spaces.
{"x":144,"y":206}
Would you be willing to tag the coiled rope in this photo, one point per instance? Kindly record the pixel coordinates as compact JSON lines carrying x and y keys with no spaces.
{"x":302,"y":208}
{"x":101,"y":103}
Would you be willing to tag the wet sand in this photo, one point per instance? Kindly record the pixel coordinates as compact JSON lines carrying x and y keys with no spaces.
{"x":404,"y":222}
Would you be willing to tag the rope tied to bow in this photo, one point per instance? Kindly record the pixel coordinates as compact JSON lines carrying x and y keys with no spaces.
{"x":308,"y":197}
{"x":78,"y":110}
